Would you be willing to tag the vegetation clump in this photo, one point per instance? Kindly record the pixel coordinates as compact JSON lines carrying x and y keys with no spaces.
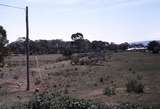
{"x":134,"y":85}
{"x":109,"y":91}
{"x":56,"y":101}
{"x":48,"y":100}
{"x":3,"y":42}
{"x":67,"y":53}
{"x":154,"y":46}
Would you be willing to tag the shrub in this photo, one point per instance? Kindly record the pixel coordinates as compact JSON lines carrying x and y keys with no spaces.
{"x":15,"y":77}
{"x":139,"y":77}
{"x":101,"y":80}
{"x":95,"y":84}
{"x":56,"y":101}
{"x":37,"y":81}
{"x":134,"y":85}
{"x":14,"y":105}
{"x":130,"y":69}
{"x":109,"y":91}
{"x":84,"y":61}
{"x":48,"y":100}
{"x":133,"y":72}
{"x":3,"y":91}
{"x":1,"y":75}
{"x":67,"y":52}
{"x":137,"y":106}
{"x":76,"y":69}
{"x":154,"y":46}
{"x":74,"y":60}
{"x":65,"y":91}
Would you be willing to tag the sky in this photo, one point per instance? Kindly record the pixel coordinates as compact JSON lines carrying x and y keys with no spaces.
{"x":107,"y":20}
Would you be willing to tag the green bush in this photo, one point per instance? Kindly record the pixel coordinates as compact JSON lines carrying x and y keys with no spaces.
{"x":48,"y":100}
{"x":134,"y":85}
{"x":67,"y":53}
{"x":136,"y":106}
{"x":14,"y":105}
{"x":56,"y":101}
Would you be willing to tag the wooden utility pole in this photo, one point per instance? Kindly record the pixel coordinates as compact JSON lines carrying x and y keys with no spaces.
{"x":27,"y":48}
{"x":27,"y":39}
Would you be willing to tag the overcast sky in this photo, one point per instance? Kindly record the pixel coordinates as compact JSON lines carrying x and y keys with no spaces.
{"x":108,"y":20}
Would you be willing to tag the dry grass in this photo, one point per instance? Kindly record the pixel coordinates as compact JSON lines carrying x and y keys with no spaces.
{"x":88,"y":81}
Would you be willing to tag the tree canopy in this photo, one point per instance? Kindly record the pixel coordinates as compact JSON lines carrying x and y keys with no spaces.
{"x":77,"y":36}
{"x":3,"y":42}
{"x":154,"y":46}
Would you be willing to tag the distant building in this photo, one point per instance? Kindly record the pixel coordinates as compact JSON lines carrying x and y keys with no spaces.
{"x":137,"y":49}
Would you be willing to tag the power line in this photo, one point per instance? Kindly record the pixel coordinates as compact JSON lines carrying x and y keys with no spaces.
{"x":10,"y":6}
{"x":27,"y":40}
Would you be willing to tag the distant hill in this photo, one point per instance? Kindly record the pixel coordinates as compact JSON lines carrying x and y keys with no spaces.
{"x":145,"y":43}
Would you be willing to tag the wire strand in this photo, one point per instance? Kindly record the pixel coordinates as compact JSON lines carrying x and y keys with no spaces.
{"x":11,"y":6}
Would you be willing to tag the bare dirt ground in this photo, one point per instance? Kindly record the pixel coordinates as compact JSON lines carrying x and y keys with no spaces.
{"x":53,"y":72}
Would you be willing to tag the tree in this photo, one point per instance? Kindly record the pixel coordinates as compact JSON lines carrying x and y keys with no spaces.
{"x":81,"y":45}
{"x":77,"y":44}
{"x":17,"y":47}
{"x":123,"y":46}
{"x":154,"y":46}
{"x":112,"y":46}
{"x":3,"y":42}
{"x":98,"y":46}
{"x":77,"y":36}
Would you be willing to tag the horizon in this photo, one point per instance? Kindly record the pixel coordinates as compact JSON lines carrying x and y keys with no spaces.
{"x":133,"y":42}
{"x":112,"y":21}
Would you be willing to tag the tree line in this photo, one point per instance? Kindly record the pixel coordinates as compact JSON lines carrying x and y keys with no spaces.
{"x":78,"y":45}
